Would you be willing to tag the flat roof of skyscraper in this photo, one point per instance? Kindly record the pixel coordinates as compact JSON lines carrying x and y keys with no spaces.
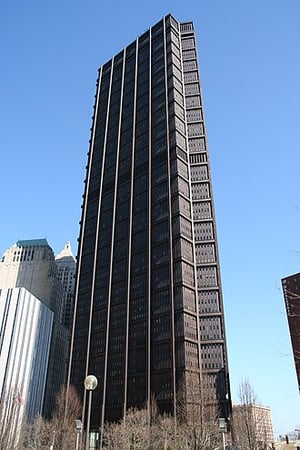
{"x":32,"y":243}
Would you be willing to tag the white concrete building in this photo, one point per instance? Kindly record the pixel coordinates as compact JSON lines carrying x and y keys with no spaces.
{"x":25,"y":336}
{"x":253,"y":425}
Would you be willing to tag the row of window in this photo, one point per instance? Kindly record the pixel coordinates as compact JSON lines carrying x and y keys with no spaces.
{"x":207,"y":277}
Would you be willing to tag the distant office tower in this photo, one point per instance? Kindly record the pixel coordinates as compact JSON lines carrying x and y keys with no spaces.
{"x":148,"y":309}
{"x":30,"y":264}
{"x":253,"y":426}
{"x":25,"y":336}
{"x":66,"y":264}
{"x":291,"y":292}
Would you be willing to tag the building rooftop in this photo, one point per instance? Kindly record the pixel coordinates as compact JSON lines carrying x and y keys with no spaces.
{"x":66,"y":252}
{"x":32,"y":243}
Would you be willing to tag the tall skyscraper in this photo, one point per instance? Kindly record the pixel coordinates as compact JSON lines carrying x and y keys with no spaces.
{"x":30,"y":264}
{"x":148,"y":307}
{"x":291,"y":292}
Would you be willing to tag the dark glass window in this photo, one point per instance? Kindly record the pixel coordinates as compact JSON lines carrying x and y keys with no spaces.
{"x":121,"y":230}
{"x":120,"y":268}
{"x":158,"y":116}
{"x":143,"y":88}
{"x":124,"y":192}
{"x":161,"y":327}
{"x":159,"y":173}
{"x":139,"y":262}
{"x":140,"y":201}
{"x":139,"y":308}
{"x":157,"y":45}
{"x":121,"y":248}
{"x":157,"y":30}
{"x":159,"y":192}
{"x":140,"y":221}
{"x":141,"y":183}
{"x":140,"y":241}
{"x":123,"y":210}
{"x":160,"y":232}
{"x":119,"y":291}
{"x":142,"y":155}
{"x":160,"y":211}
{"x":142,"y":127}
{"x":160,"y":254}
{"x":160,"y":301}
{"x":130,"y":50}
{"x":142,"y":101}
{"x":139,"y":285}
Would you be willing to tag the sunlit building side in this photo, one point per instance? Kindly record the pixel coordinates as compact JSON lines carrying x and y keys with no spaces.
{"x":25,"y":337}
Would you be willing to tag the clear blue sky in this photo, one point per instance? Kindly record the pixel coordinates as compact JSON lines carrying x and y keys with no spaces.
{"x":250,"y":70}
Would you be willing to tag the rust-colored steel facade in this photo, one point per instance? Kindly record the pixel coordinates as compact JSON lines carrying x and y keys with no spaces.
{"x":148,"y":307}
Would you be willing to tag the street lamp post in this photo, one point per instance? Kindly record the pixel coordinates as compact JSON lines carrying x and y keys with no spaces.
{"x":53,"y":441}
{"x":90,"y":384}
{"x":78,"y":429}
{"x":223,"y":429}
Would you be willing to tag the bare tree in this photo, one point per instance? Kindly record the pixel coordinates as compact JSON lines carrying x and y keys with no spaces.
{"x":243,"y":419}
{"x":37,"y":436}
{"x":199,"y":412}
{"x":196,"y":426}
{"x":63,"y":420}
{"x":113,"y":436}
{"x":60,"y":430}
{"x":12,"y":417}
{"x":249,"y":420}
{"x":134,"y":433}
{"x":136,"y":429}
{"x":163,"y":433}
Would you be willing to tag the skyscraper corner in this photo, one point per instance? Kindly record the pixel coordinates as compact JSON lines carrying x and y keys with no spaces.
{"x":290,"y":289}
